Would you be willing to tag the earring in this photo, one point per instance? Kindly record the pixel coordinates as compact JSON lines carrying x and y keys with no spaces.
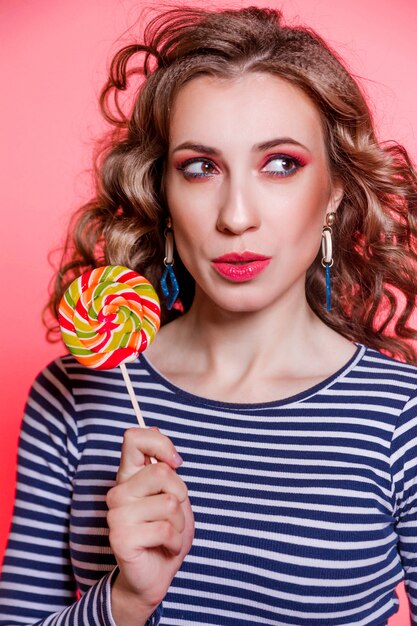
{"x":170,"y":294}
{"x":327,"y":251}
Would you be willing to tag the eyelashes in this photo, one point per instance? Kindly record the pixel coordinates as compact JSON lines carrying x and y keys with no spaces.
{"x":198,"y":167}
{"x":283,"y":165}
{"x":277,"y":165}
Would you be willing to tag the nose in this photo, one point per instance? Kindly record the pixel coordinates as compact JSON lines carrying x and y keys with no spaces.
{"x":238,"y":211}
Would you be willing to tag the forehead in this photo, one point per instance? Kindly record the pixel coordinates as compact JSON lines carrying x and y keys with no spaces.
{"x":250,"y":108}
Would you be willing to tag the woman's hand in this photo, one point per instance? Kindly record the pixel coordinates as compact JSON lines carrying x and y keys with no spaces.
{"x":151,"y":524}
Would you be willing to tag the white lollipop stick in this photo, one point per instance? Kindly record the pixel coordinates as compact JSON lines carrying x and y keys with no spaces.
{"x":134,"y":401}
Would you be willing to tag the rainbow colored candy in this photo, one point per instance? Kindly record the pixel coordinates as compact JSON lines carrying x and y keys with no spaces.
{"x":108,"y":316}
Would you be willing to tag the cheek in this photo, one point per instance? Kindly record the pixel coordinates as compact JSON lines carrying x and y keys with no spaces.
{"x":314,"y":196}
{"x":188,"y":227}
{"x":299,"y":221}
{"x":188,"y":221}
{"x":191,"y":212}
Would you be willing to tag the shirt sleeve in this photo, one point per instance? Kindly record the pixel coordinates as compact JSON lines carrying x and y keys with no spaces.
{"x":37,"y":585}
{"x":404,"y":472}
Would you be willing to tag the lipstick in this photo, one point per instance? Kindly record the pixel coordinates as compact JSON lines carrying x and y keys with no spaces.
{"x":240,"y":267}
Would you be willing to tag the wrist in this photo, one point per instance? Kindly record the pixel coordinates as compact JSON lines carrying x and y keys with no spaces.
{"x":127,"y":606}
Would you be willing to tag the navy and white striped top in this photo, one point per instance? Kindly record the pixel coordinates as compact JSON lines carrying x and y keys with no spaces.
{"x":306,"y":508}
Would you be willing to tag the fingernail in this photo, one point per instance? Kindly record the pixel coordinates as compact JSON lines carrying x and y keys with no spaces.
{"x":177,"y":459}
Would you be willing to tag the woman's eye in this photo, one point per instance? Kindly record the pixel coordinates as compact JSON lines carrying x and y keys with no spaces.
{"x":198,"y":168}
{"x":282,"y":165}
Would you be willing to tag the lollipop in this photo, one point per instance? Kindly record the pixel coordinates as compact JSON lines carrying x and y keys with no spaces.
{"x":107,"y":317}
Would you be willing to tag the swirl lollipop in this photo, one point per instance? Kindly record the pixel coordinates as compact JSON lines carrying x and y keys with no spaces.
{"x":107,"y":317}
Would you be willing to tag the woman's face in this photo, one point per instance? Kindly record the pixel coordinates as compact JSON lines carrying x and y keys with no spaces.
{"x":248,"y":188}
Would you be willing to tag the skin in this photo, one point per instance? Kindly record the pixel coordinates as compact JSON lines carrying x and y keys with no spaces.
{"x":151,"y":525}
{"x":242,"y":203}
{"x":252,"y":341}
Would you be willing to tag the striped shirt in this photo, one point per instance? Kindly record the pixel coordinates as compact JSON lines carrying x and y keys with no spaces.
{"x":305,"y":508}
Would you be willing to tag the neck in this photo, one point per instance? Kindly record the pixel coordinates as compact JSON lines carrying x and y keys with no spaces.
{"x":249,"y":357}
{"x":219,"y":339}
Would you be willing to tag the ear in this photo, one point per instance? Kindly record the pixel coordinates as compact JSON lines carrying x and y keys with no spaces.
{"x":336,"y":194}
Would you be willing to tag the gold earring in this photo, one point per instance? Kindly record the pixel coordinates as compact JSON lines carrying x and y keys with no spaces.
{"x":327,"y":252}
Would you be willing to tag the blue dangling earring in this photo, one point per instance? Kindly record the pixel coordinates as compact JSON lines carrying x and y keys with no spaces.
{"x":327,"y":251}
{"x":170,"y":293}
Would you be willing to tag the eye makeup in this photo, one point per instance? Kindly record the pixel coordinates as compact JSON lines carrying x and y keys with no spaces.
{"x":197,"y":167}
{"x":277,"y":165}
{"x":292,"y":157}
{"x":285,"y":164}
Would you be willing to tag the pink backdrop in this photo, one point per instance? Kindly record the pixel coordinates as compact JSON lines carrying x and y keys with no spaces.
{"x":52,"y":66}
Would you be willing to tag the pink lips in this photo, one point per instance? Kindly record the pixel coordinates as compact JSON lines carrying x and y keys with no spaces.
{"x":240,"y":267}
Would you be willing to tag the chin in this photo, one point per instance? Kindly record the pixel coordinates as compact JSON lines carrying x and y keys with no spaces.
{"x":236,"y":303}
{"x":244,"y":297}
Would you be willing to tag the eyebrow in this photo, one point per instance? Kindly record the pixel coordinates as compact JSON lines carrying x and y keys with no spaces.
{"x":277,"y":142}
{"x":196,"y":147}
{"x":259,"y":147}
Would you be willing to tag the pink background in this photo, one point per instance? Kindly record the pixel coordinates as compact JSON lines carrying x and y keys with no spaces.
{"x":52,"y":65}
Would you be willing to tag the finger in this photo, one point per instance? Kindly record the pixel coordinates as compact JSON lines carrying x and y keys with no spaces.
{"x":140,"y":444}
{"x":159,"y":534}
{"x":149,"y":481}
{"x":163,"y":507}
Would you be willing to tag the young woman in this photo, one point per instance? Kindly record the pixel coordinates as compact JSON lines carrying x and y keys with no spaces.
{"x":250,"y":144}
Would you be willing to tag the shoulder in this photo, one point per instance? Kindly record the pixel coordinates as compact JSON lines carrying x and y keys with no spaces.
{"x":391,"y":374}
{"x":396,"y":382}
{"x":387,"y":369}
{"x":51,"y":393}
{"x":53,"y":379}
{"x":387,"y":383}
{"x":66,"y":372}
{"x":60,"y":385}
{"x":67,"y":382}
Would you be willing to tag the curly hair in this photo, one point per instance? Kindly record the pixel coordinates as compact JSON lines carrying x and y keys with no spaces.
{"x":373,"y":285}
